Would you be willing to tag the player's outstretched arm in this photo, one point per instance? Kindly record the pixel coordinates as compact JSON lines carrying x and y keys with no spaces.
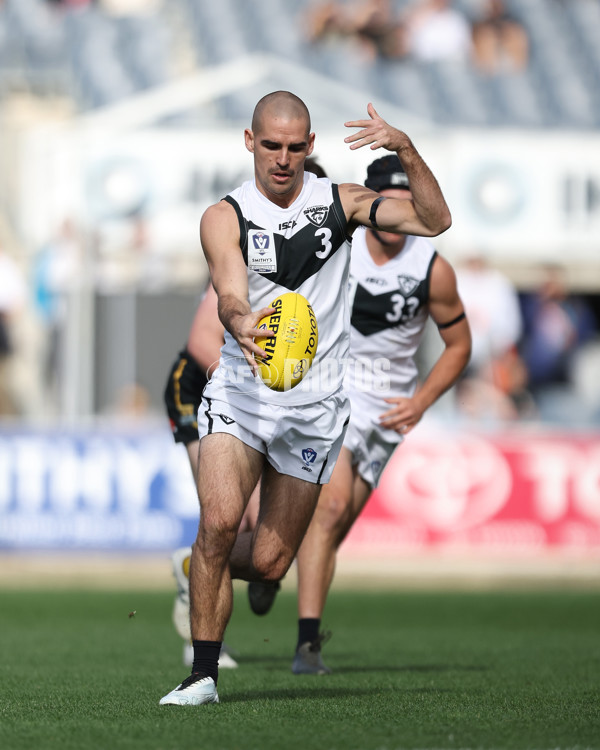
{"x":219,"y":235}
{"x":425,"y":214}
{"x":447,"y":311}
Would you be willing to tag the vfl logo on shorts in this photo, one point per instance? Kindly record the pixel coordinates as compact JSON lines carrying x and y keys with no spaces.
{"x":308,"y":456}
{"x":317,"y":214}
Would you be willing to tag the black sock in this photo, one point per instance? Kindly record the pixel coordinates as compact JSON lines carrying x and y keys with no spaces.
{"x":308,"y":630}
{"x":206,"y":659}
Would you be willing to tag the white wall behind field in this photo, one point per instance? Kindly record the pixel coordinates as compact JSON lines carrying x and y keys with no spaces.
{"x":521,"y":198}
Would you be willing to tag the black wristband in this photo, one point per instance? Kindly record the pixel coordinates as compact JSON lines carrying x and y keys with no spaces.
{"x":373,"y":213}
{"x":452,"y":322}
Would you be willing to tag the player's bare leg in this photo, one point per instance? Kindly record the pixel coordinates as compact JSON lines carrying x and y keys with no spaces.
{"x":316,"y":556}
{"x":261,"y":594}
{"x":181,"y":563}
{"x":339,"y":505}
{"x":228,"y":472}
{"x":193,"y":449}
{"x":286,"y":508}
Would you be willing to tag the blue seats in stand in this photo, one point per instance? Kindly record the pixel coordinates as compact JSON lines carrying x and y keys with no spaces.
{"x":100,"y":59}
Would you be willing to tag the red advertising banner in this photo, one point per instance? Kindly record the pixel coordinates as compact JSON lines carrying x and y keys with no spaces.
{"x":517,"y":492}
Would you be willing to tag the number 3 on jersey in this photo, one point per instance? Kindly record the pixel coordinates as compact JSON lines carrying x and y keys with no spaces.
{"x":325,"y":235}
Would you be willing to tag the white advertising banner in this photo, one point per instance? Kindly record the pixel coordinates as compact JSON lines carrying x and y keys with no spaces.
{"x":523,"y":197}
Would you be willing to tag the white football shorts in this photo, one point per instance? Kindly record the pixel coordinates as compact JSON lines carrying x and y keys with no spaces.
{"x":300,"y":441}
{"x":370,"y":444}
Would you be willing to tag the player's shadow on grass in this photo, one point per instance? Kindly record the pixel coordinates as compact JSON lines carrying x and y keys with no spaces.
{"x":271,"y":663}
{"x":412,"y":668}
{"x":318,"y":692}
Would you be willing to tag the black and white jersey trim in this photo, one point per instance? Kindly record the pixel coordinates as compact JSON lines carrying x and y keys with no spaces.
{"x":301,"y":245}
{"x":372,"y":313}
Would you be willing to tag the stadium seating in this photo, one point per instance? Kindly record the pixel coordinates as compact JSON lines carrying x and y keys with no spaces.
{"x":99,"y":58}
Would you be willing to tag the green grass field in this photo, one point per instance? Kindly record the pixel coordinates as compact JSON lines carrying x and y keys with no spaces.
{"x":411,"y":670}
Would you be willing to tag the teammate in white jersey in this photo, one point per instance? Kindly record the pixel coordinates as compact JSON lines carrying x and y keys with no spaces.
{"x":397,"y":282}
{"x":248,"y":431}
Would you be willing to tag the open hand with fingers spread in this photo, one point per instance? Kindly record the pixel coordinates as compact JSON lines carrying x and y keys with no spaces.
{"x":375,"y":132}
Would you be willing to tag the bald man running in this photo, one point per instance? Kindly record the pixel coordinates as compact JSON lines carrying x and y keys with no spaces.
{"x":285,"y":230}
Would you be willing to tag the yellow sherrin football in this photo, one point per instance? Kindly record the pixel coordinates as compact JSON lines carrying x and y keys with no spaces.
{"x":291,"y":351}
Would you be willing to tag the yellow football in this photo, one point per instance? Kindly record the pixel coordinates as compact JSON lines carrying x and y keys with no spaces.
{"x":291,"y":351}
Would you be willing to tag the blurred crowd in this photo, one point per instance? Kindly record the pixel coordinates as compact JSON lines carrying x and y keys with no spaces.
{"x":428,"y":30}
{"x":534,"y":352}
{"x":44,"y":295}
{"x":115,"y":7}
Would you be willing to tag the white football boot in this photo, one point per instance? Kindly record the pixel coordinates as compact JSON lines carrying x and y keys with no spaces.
{"x":193,"y":691}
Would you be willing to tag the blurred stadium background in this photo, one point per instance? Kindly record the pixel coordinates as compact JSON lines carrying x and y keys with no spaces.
{"x":121,"y":120}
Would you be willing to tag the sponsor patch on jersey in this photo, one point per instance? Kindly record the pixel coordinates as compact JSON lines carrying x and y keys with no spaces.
{"x":317,"y":215}
{"x":261,"y":252}
{"x":407,"y":284}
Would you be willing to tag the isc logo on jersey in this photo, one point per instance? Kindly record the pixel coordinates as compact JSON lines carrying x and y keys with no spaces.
{"x":291,"y":351}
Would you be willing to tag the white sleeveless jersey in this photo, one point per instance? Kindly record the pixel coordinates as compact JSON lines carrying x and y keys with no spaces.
{"x":304,"y":248}
{"x":389,"y":312}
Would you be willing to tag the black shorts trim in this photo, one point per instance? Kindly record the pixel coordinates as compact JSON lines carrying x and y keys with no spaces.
{"x":209,"y":416}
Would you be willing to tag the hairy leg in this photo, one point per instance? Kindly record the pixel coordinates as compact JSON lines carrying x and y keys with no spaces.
{"x":286,"y":507}
{"x":228,"y":472}
{"x":192,"y":451}
{"x":339,"y":505}
{"x":251,"y":512}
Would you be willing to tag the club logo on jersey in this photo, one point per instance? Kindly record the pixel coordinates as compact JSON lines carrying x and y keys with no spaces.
{"x":317,"y":215}
{"x":308,"y":456}
{"x":261,"y":242}
{"x":407,"y":284}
